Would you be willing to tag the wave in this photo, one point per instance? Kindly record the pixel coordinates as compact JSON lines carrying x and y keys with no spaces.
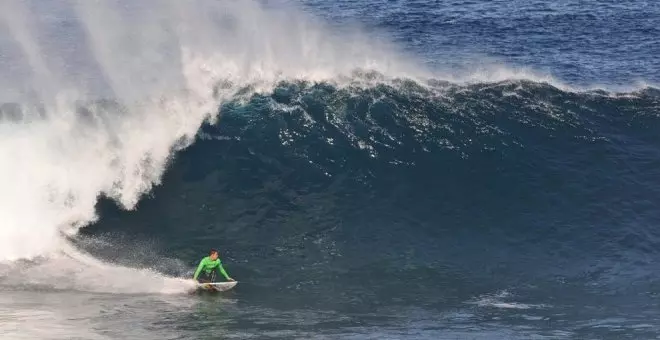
{"x":538,"y":180}
{"x":99,"y":111}
{"x":98,"y":98}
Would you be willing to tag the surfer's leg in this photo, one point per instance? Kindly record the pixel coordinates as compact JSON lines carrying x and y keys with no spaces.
{"x":213,"y":275}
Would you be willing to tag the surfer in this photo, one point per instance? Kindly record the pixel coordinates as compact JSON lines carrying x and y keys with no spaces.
{"x":208,"y":267}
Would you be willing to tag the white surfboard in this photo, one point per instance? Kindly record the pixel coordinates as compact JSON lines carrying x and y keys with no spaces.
{"x":218,"y":286}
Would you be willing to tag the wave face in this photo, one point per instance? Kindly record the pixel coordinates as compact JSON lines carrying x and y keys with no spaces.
{"x":515,"y":179}
{"x":503,"y":204}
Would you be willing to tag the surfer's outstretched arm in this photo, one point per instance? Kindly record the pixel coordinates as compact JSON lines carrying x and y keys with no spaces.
{"x":223,"y":272}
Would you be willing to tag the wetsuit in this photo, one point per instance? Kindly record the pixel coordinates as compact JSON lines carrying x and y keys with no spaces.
{"x":208,"y":268}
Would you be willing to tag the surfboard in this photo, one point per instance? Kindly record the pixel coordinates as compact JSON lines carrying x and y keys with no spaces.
{"x":217,"y":286}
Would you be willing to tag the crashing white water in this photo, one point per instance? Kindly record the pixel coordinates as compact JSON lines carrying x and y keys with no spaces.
{"x":156,"y":65}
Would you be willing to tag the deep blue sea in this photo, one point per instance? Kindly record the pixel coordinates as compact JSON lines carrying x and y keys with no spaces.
{"x":376,"y":169}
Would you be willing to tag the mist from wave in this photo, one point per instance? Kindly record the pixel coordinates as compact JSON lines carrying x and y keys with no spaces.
{"x":91,"y":111}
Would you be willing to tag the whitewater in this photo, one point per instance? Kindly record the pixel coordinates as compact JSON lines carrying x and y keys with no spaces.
{"x":105,"y":118}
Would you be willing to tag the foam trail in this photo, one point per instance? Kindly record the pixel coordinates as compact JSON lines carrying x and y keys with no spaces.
{"x":71,"y":269}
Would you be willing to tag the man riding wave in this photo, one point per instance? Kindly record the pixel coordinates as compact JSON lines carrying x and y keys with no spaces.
{"x":208,"y":267}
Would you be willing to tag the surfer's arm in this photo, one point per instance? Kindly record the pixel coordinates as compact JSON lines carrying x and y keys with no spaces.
{"x":199,"y":269}
{"x":222,"y":271}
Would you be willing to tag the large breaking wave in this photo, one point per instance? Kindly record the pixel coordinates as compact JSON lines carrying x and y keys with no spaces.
{"x":97,"y":98}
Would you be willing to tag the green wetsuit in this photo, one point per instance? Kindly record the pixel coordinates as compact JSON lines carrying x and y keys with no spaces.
{"x":208,"y":265}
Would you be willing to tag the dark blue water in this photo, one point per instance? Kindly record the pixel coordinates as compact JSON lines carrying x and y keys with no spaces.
{"x":520,"y":204}
{"x":581,"y":42}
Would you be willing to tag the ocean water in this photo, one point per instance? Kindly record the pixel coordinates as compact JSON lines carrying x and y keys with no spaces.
{"x":368,"y":169}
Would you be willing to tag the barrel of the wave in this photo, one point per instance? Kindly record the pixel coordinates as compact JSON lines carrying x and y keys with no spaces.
{"x":206,"y":274}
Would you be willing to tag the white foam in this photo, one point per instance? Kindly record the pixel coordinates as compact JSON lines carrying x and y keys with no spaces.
{"x":71,"y":269}
{"x":159,"y":65}
{"x":497,"y":300}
